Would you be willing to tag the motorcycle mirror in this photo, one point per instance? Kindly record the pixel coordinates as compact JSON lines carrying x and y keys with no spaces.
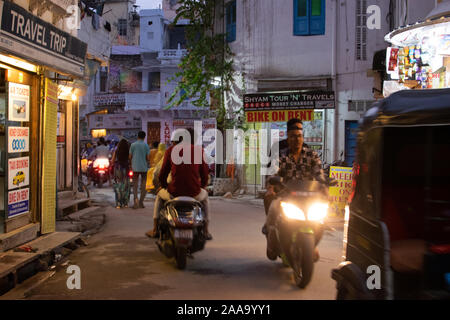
{"x":275,"y":180}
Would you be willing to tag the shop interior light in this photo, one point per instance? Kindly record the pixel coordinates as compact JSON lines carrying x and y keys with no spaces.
{"x":74,"y":97}
{"x":18,"y":63}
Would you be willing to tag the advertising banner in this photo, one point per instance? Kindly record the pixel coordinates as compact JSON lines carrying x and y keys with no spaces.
{"x":340,"y":193}
{"x":18,"y":139}
{"x":18,"y":172}
{"x":279,"y":115}
{"x":18,"y":202}
{"x":289,"y":101}
{"x":19,"y":102}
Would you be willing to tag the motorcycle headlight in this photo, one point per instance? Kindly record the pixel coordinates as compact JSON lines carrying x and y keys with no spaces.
{"x":318,"y":212}
{"x":292,"y":212}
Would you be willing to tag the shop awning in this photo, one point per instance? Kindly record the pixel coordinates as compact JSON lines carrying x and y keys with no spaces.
{"x":436,"y":24}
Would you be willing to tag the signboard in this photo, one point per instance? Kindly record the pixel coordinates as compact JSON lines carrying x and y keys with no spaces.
{"x":114,"y":121}
{"x":101,"y":100}
{"x":289,"y":101}
{"x":18,"y":139}
{"x":19,"y":102}
{"x":279,"y":116}
{"x":18,"y":202}
{"x":18,"y":172}
{"x":313,"y":130}
{"x":30,"y":37}
{"x":340,"y":193}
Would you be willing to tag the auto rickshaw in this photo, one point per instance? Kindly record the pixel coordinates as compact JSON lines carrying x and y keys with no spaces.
{"x":397,"y":223}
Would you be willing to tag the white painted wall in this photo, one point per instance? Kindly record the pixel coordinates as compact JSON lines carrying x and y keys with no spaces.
{"x":151,"y":36}
{"x":266,"y":47}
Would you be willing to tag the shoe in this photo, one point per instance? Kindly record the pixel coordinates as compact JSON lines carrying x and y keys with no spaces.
{"x":141,"y":206}
{"x":271,"y":253}
{"x":152,"y":234}
{"x":264,"y":230}
{"x":208,"y":236}
{"x":136,"y":205}
{"x":316,"y":254}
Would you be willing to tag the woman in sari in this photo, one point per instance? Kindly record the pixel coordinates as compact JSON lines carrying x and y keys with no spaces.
{"x":121,"y":167}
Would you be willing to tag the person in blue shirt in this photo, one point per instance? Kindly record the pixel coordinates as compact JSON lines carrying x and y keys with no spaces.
{"x":139,"y":158}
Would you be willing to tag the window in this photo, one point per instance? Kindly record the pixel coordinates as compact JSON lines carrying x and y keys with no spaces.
{"x":360,"y":105}
{"x":231,"y":21}
{"x":103,"y":79}
{"x":154,"y":81}
{"x":361,"y":30}
{"x":122,"y":27}
{"x":309,"y":17}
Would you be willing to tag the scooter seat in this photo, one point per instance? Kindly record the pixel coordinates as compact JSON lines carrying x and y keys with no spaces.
{"x":182,"y":200}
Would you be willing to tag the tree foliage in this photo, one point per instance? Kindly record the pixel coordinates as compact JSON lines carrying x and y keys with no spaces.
{"x":206,"y":71}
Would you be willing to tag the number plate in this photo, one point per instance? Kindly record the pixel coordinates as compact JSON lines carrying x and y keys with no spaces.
{"x":184,"y":233}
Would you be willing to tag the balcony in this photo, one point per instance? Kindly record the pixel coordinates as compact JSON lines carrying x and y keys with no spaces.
{"x":171,"y":56}
{"x":143,"y":101}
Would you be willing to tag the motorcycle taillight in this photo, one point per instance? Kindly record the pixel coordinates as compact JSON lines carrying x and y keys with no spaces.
{"x":130,"y":174}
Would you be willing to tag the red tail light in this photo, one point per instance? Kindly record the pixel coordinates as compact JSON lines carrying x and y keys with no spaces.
{"x":440,"y":249}
{"x":130,"y":174}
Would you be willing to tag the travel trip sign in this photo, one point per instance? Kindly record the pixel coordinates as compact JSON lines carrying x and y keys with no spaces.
{"x":18,"y":172}
{"x":289,"y":101}
{"x":18,"y":202}
{"x":18,"y":139}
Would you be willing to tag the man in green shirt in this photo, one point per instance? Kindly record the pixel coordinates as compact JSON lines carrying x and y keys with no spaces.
{"x":139,"y":157}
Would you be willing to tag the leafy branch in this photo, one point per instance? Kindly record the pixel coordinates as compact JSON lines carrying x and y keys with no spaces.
{"x":206,"y":71}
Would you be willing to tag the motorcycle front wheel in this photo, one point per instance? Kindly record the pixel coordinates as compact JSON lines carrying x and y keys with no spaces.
{"x":303,"y":256}
{"x":181,"y":257}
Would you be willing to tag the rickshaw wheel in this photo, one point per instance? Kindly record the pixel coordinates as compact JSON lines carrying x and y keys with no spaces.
{"x":304,"y":260}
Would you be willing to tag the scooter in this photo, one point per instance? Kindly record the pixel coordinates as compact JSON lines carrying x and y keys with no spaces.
{"x":99,"y":171}
{"x":181,"y":229}
{"x":299,"y":226}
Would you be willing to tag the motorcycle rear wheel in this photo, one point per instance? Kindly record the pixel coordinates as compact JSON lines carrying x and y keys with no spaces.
{"x":304,"y":266}
{"x":181,"y":257}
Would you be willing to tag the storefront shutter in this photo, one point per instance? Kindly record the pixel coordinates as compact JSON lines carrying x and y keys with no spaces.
{"x":301,"y":21}
{"x":317,"y":19}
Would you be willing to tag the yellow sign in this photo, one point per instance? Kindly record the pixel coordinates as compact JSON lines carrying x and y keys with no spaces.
{"x":340,"y":193}
{"x":279,"y":115}
{"x":48,"y":220}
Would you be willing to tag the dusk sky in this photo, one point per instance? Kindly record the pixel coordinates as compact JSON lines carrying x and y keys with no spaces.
{"x":148,"y":4}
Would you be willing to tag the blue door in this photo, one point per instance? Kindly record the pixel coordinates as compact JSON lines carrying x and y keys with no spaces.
{"x":351,"y":130}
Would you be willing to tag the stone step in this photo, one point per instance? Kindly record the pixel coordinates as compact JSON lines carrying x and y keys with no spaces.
{"x":78,"y":214}
{"x":19,"y":236}
{"x":69,"y":206}
{"x":16,"y":267}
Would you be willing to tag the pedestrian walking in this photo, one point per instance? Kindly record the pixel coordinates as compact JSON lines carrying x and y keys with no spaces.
{"x":121,"y":166}
{"x":139,"y":157}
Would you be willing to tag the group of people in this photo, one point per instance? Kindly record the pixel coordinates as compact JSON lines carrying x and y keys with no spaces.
{"x":296,"y":161}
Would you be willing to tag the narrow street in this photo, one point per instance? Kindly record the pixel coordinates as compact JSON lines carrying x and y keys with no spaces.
{"x":120,"y":262}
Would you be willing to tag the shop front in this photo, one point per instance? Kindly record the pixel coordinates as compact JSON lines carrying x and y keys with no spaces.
{"x":30,"y":67}
{"x":272,"y":111}
{"x":419,"y":57}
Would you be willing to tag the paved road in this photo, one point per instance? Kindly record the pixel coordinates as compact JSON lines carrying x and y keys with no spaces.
{"x":121,"y":263}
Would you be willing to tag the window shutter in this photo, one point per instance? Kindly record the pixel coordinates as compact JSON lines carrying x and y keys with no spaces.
{"x":301,"y":23}
{"x":317,"y":22}
{"x":231,"y":21}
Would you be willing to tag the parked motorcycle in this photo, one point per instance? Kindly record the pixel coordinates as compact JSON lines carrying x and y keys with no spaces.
{"x":99,"y":171}
{"x":181,"y":229}
{"x":299,"y":226}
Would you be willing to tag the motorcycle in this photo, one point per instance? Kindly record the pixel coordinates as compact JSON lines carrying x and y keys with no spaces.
{"x":181,"y":229}
{"x":99,"y":171}
{"x":299,"y":226}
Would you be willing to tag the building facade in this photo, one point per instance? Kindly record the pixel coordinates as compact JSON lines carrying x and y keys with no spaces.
{"x":41,"y":60}
{"x":307,"y":46}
